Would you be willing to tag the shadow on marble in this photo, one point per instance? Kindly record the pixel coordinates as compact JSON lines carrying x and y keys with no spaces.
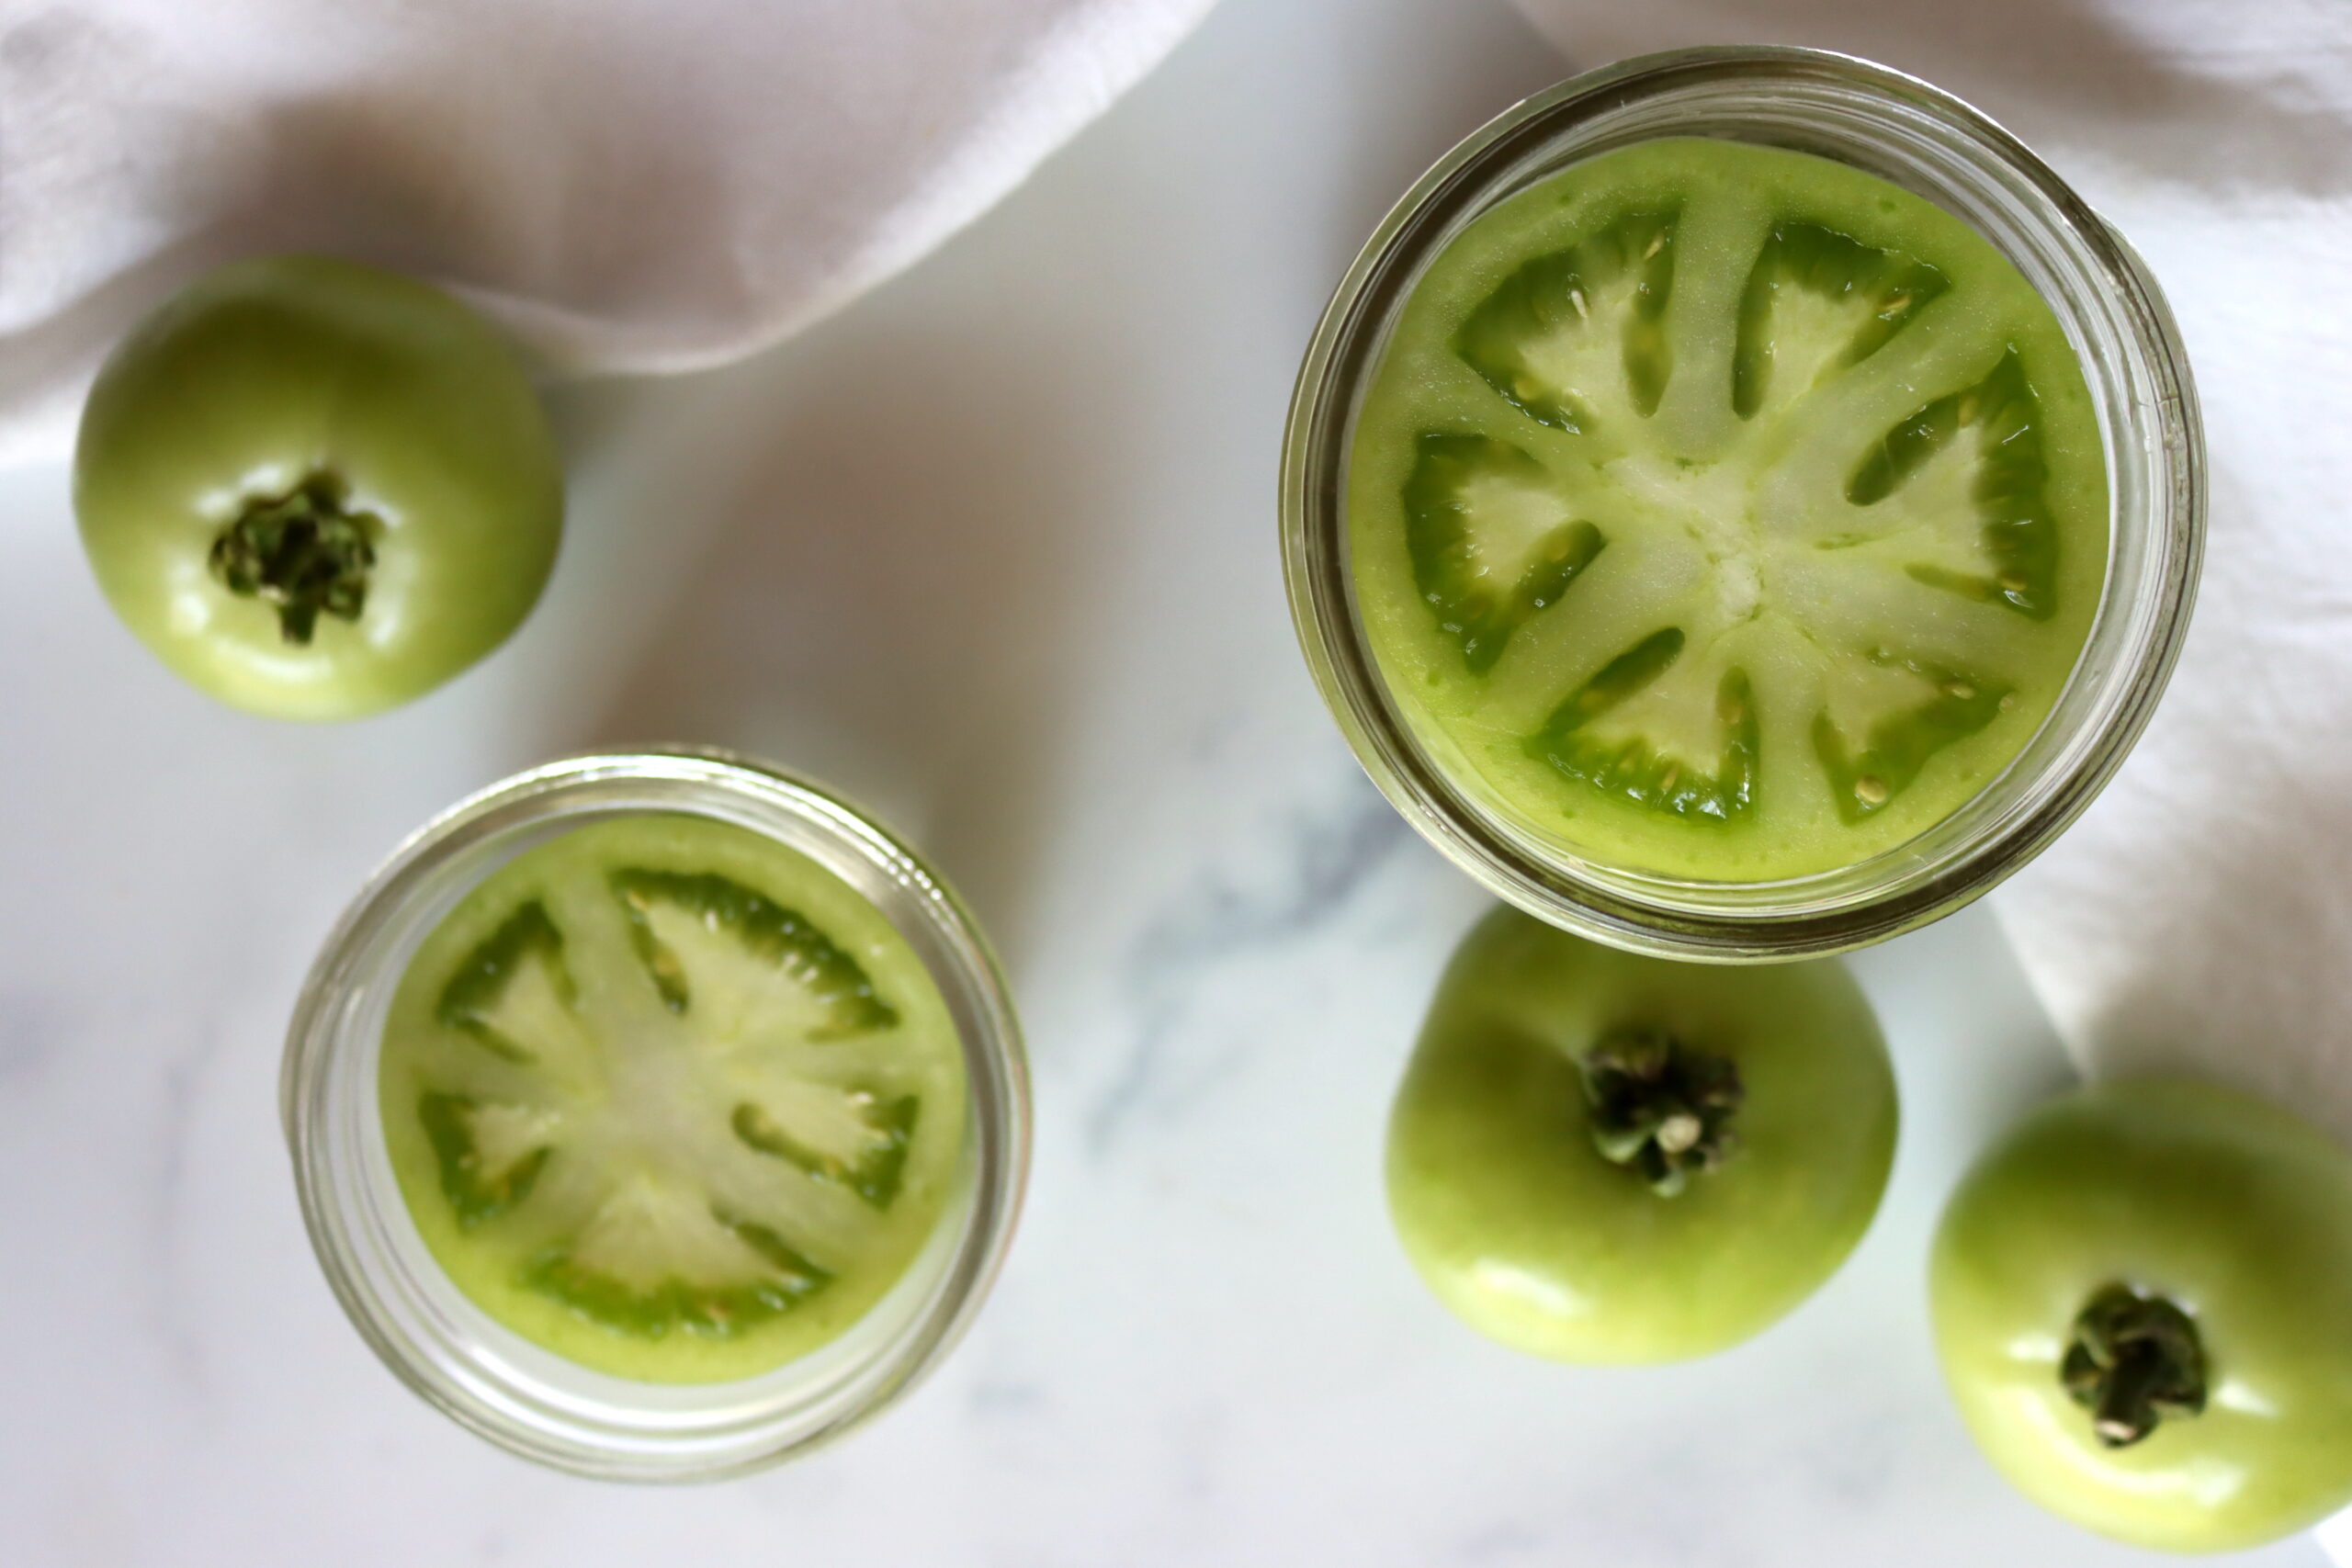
{"x":869,"y":571}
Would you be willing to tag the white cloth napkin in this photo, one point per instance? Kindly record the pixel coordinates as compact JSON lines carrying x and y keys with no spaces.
{"x":2199,"y":915}
{"x":629,"y":185}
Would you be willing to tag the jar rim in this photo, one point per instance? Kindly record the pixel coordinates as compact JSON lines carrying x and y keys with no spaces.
{"x":2116,"y":319}
{"x":531,"y":1402}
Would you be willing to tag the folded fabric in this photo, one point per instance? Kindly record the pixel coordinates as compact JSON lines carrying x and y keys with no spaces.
{"x":628,"y":185}
{"x":2200,"y":917}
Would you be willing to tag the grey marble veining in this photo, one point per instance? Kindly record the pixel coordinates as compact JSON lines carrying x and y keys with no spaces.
{"x":1320,"y":863}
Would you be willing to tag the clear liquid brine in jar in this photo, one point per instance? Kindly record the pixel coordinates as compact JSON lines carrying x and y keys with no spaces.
{"x":671,"y":1100}
{"x":1725,"y":513}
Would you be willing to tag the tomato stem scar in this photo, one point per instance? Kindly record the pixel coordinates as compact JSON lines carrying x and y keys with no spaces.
{"x":1658,"y":1107}
{"x":303,"y":552}
{"x":2134,"y":1360}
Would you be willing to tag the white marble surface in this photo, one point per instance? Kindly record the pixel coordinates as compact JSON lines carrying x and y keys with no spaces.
{"x":994,"y":550}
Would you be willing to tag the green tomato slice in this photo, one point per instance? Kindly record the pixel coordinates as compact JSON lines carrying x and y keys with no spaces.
{"x":1724,"y":512}
{"x":2233,"y":1216}
{"x":1600,"y":1157}
{"x":671,"y":1099}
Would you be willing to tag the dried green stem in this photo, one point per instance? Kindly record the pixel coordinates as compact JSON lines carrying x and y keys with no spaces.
{"x":1658,"y":1107}
{"x":2134,"y":1360}
{"x":304,"y":552}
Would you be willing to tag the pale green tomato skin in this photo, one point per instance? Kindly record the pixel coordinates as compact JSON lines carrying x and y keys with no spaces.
{"x":1513,"y":1218}
{"x":265,"y":373}
{"x":2238,"y":1213}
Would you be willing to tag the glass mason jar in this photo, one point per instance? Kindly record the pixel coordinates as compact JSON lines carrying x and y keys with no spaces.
{"x":1930,"y":143}
{"x":509,"y":1390}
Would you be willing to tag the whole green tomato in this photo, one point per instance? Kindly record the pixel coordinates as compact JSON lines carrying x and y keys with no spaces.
{"x":2143,"y":1303}
{"x":1602,"y":1158}
{"x":316,"y":489}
